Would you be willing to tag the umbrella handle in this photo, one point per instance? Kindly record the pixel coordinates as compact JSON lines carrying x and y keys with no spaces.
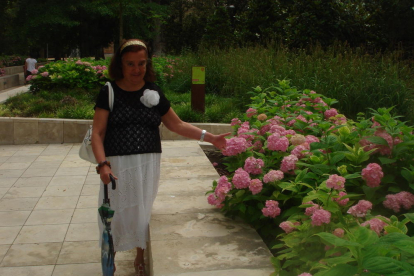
{"x":113,"y":181}
{"x":106,"y":197}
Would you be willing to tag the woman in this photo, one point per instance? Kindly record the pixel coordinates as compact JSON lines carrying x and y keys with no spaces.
{"x":126,"y":143}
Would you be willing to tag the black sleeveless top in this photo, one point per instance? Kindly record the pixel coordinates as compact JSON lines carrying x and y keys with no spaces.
{"x":132,"y":127}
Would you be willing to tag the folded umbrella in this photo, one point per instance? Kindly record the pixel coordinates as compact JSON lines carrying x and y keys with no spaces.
{"x":107,"y":248}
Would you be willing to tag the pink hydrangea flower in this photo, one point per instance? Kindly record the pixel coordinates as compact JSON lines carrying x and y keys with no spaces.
{"x":301,"y":151}
{"x":375,"y":224}
{"x":372,"y":174}
{"x":330,"y":113}
{"x":340,"y":201}
{"x":288,"y":163}
{"x":305,"y":274}
{"x":277,"y":129}
{"x":241,"y":179}
{"x":29,"y":78}
{"x":34,"y":71}
{"x":287,"y":226}
{"x":291,"y":122}
{"x":273,"y":176}
{"x":320,"y":216}
{"x":311,"y":139}
{"x":222,"y":188}
{"x":360,"y":210}
{"x":243,"y":131}
{"x":255,"y":186}
{"x":251,"y":112}
{"x":235,"y":145}
{"x":264,"y":129}
{"x":235,"y":122}
{"x":272,"y":209}
{"x":253,"y":165}
{"x":275,"y":142}
{"x":397,"y":201}
{"x":212,"y":199}
{"x":301,"y":118}
{"x":44,"y":74}
{"x":335,"y":182}
{"x":310,"y":210}
{"x":288,"y":132}
{"x":339,"y":232}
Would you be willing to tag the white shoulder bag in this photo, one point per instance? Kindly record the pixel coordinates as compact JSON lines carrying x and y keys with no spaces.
{"x":85,"y":151}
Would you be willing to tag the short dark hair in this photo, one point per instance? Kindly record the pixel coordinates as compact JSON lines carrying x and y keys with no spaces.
{"x":115,"y":67}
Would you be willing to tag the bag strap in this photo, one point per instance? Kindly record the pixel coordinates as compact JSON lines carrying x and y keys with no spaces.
{"x":111,"y":95}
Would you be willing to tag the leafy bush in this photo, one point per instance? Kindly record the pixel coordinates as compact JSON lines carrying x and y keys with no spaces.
{"x":312,"y":182}
{"x":14,"y":60}
{"x":81,"y":73}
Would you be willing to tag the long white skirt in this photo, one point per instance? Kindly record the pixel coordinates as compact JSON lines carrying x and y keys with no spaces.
{"x":137,"y":186}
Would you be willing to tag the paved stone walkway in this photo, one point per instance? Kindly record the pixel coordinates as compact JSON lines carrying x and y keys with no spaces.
{"x":48,"y":211}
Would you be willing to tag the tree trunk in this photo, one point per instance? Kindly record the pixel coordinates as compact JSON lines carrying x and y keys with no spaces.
{"x":99,"y":53}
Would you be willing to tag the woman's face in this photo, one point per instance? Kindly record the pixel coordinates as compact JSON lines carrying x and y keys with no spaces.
{"x":134,"y":67}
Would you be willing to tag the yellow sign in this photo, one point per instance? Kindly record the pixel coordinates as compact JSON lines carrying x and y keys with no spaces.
{"x":199,"y":75}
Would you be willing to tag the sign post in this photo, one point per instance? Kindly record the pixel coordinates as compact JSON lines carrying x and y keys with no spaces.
{"x":198,"y":87}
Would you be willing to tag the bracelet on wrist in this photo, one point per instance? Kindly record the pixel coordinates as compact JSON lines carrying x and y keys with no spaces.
{"x":203,"y":133}
{"x":101,"y":164}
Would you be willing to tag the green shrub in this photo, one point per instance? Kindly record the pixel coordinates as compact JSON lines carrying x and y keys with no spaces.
{"x":69,"y":74}
{"x":300,"y":170}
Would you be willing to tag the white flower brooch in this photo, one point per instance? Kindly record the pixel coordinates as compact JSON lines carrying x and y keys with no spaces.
{"x":150,"y":98}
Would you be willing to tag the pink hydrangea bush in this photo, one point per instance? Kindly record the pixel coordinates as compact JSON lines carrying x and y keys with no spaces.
{"x":375,"y":224}
{"x":360,"y":209}
{"x":253,"y":165}
{"x":335,"y":182}
{"x":272,"y":209}
{"x":288,"y":163}
{"x":235,"y":145}
{"x":320,"y":217}
{"x":400,"y":200}
{"x":241,"y":179}
{"x":287,"y":226}
{"x":273,"y":176}
{"x":255,"y":186}
{"x":372,"y":174}
{"x":298,"y":148}
{"x":340,"y":200}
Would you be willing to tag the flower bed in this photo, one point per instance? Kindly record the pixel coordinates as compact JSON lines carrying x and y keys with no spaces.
{"x":329,"y":195}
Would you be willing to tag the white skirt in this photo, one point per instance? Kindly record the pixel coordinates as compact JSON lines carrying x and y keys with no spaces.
{"x":136,"y":189}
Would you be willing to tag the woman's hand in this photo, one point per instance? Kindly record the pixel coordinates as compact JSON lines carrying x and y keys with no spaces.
{"x":219,"y":141}
{"x":104,"y":172}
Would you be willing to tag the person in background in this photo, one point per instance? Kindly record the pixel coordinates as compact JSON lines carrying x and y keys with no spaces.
{"x":126,"y":143}
{"x":30,"y":65}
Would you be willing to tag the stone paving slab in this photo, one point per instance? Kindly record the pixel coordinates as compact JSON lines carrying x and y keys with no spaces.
{"x":48,"y":217}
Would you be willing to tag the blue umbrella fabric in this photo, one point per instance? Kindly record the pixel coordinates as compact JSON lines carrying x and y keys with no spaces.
{"x":107,"y":247}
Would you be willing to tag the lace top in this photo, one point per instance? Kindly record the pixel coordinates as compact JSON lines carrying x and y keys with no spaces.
{"x":132,"y":127}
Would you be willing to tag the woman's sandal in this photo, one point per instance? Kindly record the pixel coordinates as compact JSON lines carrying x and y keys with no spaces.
{"x":139,"y":270}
